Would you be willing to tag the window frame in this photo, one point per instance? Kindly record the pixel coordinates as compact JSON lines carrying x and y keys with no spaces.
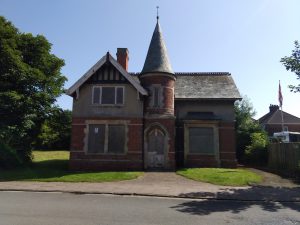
{"x":101,"y":93}
{"x":212,"y":139}
{"x":106,"y":137}
{"x":157,"y":95}
{"x":195,"y":124}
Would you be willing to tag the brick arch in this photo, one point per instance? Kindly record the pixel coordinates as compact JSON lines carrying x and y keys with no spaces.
{"x":154,"y":159}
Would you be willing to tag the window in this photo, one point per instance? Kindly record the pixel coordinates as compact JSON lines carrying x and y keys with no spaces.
{"x":96,"y":138}
{"x":106,"y":138}
{"x":201,"y":140}
{"x":105,"y":95}
{"x":156,"y":96}
{"x":116,"y":139}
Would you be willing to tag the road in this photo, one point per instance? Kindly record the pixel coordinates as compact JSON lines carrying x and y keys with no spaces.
{"x":29,"y":208}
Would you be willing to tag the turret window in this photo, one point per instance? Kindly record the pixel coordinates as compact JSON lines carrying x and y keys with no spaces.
{"x":156,"y":98}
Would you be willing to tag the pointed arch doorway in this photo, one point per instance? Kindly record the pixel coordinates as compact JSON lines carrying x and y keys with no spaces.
{"x":155,"y":148}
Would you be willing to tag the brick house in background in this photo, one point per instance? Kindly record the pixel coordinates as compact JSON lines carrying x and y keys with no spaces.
{"x":272,"y":121}
{"x":155,"y":119}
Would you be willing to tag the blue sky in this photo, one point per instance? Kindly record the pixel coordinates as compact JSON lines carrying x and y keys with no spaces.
{"x":245,"y":38}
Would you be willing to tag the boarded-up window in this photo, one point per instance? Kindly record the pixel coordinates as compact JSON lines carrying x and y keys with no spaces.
{"x":116,"y":138}
{"x":201,"y":140}
{"x":96,"y":138}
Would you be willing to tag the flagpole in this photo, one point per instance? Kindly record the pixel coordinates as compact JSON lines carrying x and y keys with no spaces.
{"x":280,"y":99}
{"x":282,"y":120}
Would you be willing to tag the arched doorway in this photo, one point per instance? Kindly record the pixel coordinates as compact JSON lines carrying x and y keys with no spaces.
{"x":155,"y":148}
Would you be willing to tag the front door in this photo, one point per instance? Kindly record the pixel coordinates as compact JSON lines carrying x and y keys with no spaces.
{"x":156,"y":149}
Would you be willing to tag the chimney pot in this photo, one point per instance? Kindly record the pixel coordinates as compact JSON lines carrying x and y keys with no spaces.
{"x":123,"y":57}
{"x":273,"y":108}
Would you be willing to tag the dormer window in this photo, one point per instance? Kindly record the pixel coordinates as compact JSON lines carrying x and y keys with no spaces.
{"x":108,"y":95}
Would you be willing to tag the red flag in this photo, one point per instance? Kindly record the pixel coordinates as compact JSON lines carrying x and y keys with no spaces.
{"x":280,"y":98}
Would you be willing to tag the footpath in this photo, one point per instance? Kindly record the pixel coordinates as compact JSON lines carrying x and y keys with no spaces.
{"x":168,"y":184}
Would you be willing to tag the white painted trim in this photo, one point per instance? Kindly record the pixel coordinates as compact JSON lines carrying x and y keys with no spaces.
{"x":94,"y":68}
{"x":128,"y":76}
{"x":101,"y":92}
{"x":86,"y":76}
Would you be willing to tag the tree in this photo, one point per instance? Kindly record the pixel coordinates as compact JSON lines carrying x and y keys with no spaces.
{"x":292,"y":63}
{"x":55,"y":131}
{"x":30,"y":82}
{"x":247,"y":129}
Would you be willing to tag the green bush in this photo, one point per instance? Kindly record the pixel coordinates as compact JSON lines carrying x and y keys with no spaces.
{"x":9,"y":158}
{"x":257,"y":153}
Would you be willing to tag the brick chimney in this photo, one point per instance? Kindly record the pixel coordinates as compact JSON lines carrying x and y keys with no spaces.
{"x":123,"y":57}
{"x":273,"y":108}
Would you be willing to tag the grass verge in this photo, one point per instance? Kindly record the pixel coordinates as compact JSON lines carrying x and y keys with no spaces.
{"x":53,"y":166}
{"x":220,"y":176}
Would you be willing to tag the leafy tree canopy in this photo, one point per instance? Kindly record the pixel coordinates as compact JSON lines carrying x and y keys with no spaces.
{"x":246,"y":126}
{"x":56,"y":131}
{"x":30,"y":82}
{"x":292,"y":63}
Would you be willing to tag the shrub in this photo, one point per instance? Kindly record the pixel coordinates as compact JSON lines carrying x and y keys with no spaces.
{"x":9,"y":157}
{"x":257,"y":153}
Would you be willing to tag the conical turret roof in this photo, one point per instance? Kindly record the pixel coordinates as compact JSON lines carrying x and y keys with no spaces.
{"x":157,"y":59}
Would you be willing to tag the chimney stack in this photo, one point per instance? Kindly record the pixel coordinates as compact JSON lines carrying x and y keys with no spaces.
{"x":273,"y":108}
{"x":123,"y":57}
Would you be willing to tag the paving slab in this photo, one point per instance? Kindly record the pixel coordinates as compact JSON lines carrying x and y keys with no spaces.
{"x":166,"y":184}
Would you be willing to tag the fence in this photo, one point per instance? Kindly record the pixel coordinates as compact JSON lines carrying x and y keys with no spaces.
{"x":284,"y":156}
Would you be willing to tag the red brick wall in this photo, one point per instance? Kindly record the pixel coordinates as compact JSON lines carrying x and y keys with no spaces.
{"x":131,"y":160}
{"x":196,"y":160}
{"x":227,"y":144}
{"x":167,"y":84}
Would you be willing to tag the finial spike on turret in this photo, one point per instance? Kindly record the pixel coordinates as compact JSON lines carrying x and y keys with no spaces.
{"x":157,"y":16}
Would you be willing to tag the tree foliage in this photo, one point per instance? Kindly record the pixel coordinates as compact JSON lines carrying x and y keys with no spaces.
{"x":249,"y":133}
{"x":292,"y":63}
{"x":55,"y":131}
{"x":30,"y":82}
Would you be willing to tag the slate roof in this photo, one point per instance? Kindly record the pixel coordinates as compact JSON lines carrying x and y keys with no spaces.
{"x":275,"y":118}
{"x":209,"y":85}
{"x":157,"y":59}
{"x":205,"y":86}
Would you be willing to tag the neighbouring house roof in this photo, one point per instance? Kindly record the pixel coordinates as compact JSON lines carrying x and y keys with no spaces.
{"x":157,"y":59}
{"x":205,"y":86}
{"x":274,"y":117}
{"x":135,"y":82}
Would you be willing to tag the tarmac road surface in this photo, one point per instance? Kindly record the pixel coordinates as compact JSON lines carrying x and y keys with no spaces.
{"x":36,"y":208}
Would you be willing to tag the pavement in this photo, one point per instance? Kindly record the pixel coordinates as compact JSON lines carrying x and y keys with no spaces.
{"x":169,"y":184}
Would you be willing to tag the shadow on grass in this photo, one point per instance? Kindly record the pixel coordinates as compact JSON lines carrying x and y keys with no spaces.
{"x":38,"y":170}
{"x":269,"y":199}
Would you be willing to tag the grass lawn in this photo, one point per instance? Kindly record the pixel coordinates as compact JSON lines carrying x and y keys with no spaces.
{"x":220,"y":176}
{"x":53,"y":166}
